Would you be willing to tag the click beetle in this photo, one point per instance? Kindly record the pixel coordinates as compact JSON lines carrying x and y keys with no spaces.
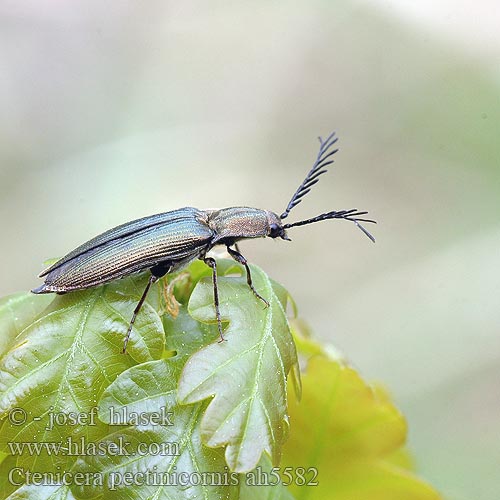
{"x":166,"y":242}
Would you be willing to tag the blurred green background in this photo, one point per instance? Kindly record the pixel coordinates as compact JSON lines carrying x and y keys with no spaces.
{"x":110,"y":113}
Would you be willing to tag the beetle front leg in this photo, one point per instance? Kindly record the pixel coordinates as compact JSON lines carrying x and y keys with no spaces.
{"x":239,"y":258}
{"x":209,"y":261}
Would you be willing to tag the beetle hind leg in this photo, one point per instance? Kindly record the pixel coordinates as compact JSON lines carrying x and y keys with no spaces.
{"x":236,"y":255}
{"x":156,"y":273}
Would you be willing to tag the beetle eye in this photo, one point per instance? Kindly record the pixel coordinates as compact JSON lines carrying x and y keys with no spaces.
{"x":274,"y":230}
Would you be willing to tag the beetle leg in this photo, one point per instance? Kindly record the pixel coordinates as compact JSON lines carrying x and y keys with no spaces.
{"x":209,"y":261}
{"x":152,"y":279}
{"x":156,"y":273}
{"x":236,"y":255}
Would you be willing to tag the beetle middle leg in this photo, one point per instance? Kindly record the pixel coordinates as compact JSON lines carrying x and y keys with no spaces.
{"x":156,"y":273}
{"x":236,"y":255}
{"x":209,"y":261}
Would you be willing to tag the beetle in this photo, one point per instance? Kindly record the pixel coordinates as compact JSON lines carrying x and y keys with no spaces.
{"x":166,"y":242}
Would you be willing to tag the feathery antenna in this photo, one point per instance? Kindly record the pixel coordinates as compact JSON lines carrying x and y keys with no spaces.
{"x":318,"y":168}
{"x":351,"y":215}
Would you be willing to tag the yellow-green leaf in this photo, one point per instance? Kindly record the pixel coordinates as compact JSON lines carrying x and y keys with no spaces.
{"x":349,"y":432}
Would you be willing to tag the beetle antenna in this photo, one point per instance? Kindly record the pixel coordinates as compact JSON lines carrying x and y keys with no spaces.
{"x":351,"y":215}
{"x":318,"y":168}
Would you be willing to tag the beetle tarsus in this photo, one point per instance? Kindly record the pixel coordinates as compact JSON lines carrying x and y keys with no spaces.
{"x":236,"y":255}
{"x":209,"y":261}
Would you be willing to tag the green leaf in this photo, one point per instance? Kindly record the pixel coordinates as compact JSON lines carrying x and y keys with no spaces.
{"x":145,"y":390}
{"x":64,"y":359}
{"x":154,"y":457}
{"x":246,"y":375}
{"x":45,"y":492}
{"x":350,"y":433}
{"x":65,"y":356}
{"x":7,"y":485}
{"x":16,"y":312}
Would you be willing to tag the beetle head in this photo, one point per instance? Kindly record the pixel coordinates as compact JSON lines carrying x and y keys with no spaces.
{"x":276,"y":229}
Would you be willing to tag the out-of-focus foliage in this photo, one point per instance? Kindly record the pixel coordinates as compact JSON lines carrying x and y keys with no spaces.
{"x":353,"y":434}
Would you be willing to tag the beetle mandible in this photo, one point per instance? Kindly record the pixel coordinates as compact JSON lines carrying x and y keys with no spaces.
{"x":168,"y":241}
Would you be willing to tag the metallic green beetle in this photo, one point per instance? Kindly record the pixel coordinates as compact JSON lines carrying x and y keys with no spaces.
{"x":166,"y":242}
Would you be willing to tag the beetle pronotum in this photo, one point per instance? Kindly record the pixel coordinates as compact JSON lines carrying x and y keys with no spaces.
{"x":168,"y":241}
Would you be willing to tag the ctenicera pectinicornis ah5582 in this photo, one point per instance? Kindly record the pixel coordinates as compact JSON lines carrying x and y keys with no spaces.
{"x":168,"y":241}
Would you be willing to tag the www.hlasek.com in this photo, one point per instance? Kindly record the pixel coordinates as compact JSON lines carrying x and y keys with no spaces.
{"x":153,"y":477}
{"x":81,"y":447}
